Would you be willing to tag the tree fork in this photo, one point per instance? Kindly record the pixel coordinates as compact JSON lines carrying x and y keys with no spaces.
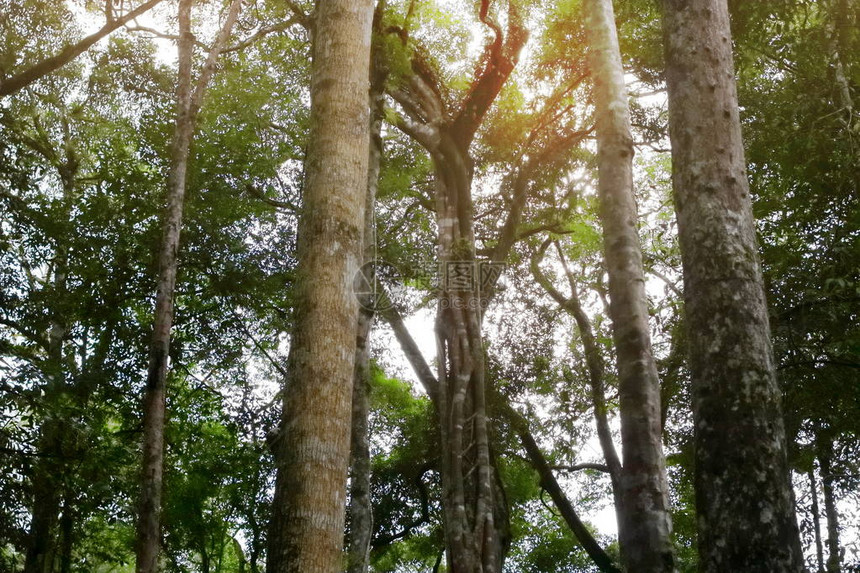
{"x":187,"y":105}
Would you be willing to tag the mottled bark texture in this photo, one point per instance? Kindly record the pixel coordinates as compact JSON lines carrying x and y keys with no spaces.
{"x":474,"y":507}
{"x":644,"y":524}
{"x":187,"y":105}
{"x":312,"y":448}
{"x":360,"y":510}
{"x":744,"y":499}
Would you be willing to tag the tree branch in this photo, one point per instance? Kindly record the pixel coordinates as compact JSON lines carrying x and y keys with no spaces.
{"x":383,"y":540}
{"x":550,"y":484}
{"x":410,"y":349}
{"x":212,"y":58}
{"x":22,"y":79}
{"x":263,"y":32}
{"x":584,"y":466}
{"x":157,"y":34}
{"x":500,"y":61}
{"x":258,"y":193}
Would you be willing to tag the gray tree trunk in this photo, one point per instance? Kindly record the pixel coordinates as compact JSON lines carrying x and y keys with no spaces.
{"x":644,"y":522}
{"x":187,"y":105}
{"x":312,"y":448}
{"x":744,"y":499}
{"x":816,"y":520}
{"x":360,"y":509}
{"x":825,"y":456}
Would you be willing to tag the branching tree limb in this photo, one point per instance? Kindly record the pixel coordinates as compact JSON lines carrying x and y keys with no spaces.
{"x":36,"y":71}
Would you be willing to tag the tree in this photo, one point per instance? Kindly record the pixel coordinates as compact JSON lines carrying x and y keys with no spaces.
{"x":743,"y":492}
{"x":187,"y":108}
{"x":476,"y":525}
{"x":360,"y":510}
{"x":312,"y":448}
{"x":644,"y":521}
{"x":800,"y":135}
{"x":84,"y":154}
{"x":69,"y":52}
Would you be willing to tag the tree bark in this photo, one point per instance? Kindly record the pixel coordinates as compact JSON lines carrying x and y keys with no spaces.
{"x":644,"y":522}
{"x":825,"y":455}
{"x":744,"y":499}
{"x":474,"y":507}
{"x":816,"y":520}
{"x":187,"y":106}
{"x":312,"y":449}
{"x":360,"y":508}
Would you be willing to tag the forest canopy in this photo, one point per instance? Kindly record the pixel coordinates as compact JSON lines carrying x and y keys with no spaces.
{"x":429,"y":285}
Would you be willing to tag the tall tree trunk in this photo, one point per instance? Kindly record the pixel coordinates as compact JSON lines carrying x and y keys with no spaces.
{"x":744,"y":499}
{"x":476,"y":530}
{"x":825,"y":456}
{"x":187,"y":106}
{"x":816,"y":520}
{"x":312,"y":449}
{"x":149,"y":511}
{"x":360,"y":509}
{"x":644,"y":522}
{"x":474,"y":507}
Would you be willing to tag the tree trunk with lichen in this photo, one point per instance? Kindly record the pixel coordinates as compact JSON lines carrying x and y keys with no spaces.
{"x":644,"y":523}
{"x":312,"y":448}
{"x":744,"y":500}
